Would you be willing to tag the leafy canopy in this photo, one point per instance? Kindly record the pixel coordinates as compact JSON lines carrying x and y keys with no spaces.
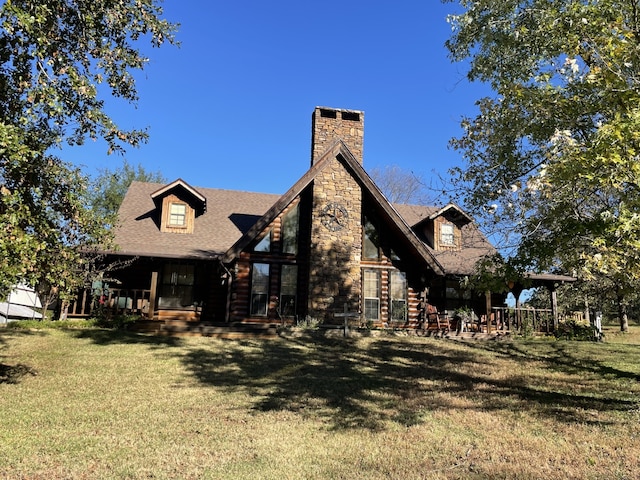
{"x":552,"y":156}
{"x":110,"y":186}
{"x":56,"y":59}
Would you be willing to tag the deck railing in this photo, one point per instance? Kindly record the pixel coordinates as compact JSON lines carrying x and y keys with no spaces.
{"x":518,"y":320}
{"x":119,"y":301}
{"x":538,"y":320}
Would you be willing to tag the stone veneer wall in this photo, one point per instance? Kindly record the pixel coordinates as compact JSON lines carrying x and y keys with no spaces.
{"x":334,"y":270}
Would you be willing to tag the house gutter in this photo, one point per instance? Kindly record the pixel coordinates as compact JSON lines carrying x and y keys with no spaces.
{"x":227,"y":310}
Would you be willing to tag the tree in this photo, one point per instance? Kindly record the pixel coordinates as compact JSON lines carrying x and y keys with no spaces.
{"x":58,"y":59}
{"x":552,"y":156}
{"x":110,"y":186}
{"x":401,"y":186}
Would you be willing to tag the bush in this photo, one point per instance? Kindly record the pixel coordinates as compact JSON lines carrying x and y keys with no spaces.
{"x":52,"y":324}
{"x":573,"y":330}
{"x":117,"y":322}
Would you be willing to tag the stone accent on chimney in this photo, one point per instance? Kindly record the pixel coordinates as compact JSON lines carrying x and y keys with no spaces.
{"x":336,"y":248}
{"x":329,"y":124}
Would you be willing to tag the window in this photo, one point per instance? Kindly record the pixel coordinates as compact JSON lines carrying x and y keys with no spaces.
{"x":264,"y":245}
{"x":290,"y":231}
{"x":371,"y":290}
{"x":259,"y":289}
{"x":446,"y":234}
{"x":288,"y":290}
{"x":398,"y":292}
{"x":178,"y":215}
{"x":371,"y":241}
{"x":176,"y":289}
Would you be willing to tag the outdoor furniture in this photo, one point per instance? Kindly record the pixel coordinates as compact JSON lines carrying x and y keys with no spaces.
{"x":435,"y":320}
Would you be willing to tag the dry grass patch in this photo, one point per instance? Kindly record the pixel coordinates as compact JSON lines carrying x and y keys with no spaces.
{"x":111,"y":405}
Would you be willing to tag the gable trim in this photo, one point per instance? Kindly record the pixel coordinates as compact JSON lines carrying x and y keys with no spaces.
{"x":450,"y":206}
{"x":338,"y":150}
{"x":200,"y":199}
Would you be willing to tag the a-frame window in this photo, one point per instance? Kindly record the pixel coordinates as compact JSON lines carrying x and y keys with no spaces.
{"x":264,"y":245}
{"x":290,"y":226}
{"x":370,"y":240}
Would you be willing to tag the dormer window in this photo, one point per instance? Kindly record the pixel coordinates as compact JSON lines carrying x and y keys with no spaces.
{"x":178,"y":215}
{"x":447,"y":235}
{"x":178,"y":205}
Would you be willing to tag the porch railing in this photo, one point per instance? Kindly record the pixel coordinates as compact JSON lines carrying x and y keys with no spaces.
{"x":119,"y":301}
{"x":539,"y":320}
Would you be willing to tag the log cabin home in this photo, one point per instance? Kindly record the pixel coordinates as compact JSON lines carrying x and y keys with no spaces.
{"x":331,"y":244}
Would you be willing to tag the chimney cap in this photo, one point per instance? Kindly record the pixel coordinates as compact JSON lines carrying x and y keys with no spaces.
{"x":329,"y":124}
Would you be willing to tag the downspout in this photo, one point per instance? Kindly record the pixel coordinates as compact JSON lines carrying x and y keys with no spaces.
{"x":227,"y":309}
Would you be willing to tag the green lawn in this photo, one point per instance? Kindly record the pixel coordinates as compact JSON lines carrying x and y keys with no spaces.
{"x":102,"y":404}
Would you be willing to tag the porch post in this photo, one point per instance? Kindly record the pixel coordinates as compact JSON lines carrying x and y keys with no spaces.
{"x":517,"y":291}
{"x":487,"y":296}
{"x":152,"y":295}
{"x":554,"y":307}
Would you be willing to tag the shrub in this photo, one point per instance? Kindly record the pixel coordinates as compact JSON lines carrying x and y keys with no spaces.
{"x":573,"y":330}
{"x":117,"y":322}
{"x":52,"y":324}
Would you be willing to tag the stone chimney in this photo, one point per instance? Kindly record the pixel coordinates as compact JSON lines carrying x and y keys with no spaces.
{"x":329,"y":124}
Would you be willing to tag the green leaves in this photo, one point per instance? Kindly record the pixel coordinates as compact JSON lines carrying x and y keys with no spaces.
{"x":59,"y":61}
{"x":109,"y":188}
{"x":563,"y":127}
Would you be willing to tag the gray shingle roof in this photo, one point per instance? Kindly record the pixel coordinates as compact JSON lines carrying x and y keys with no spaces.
{"x":230,"y":214}
{"x":474,"y":244}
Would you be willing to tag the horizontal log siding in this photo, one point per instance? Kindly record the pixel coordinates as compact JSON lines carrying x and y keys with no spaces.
{"x":384,"y":296}
{"x":414,"y":319}
{"x":241,"y":292}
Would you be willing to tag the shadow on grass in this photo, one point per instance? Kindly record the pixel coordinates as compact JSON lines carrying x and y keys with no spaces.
{"x":9,"y":373}
{"x":596,"y":358}
{"x":110,"y":337}
{"x":355,"y":384}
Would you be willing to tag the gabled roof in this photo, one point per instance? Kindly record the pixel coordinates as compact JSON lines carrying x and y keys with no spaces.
{"x":457,"y":212}
{"x":138,"y":232}
{"x":474,"y":247}
{"x":238,"y":217}
{"x":338,"y":150}
{"x":183,"y":190}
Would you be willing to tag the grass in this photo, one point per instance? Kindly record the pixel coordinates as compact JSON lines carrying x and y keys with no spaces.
{"x":94,"y":403}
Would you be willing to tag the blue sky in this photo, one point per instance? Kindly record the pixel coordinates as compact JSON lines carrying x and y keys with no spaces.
{"x":231,"y":108}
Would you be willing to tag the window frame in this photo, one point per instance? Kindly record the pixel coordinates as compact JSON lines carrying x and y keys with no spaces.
{"x":288,"y":290}
{"x":369,"y":275}
{"x":368,"y":241}
{"x":393,"y":300}
{"x":290,"y":231}
{"x":259,"y":290}
{"x":265,"y":243}
{"x":448,"y":239}
{"x":178,"y":282}
{"x":173,"y":215}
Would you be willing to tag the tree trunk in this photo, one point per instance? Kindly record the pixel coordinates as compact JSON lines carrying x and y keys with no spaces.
{"x":587,"y":314}
{"x":622,"y":313}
